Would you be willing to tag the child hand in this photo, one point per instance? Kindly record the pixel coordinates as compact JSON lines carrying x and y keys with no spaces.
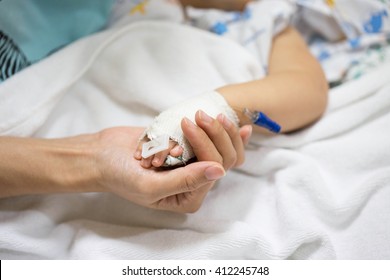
{"x":157,"y":160}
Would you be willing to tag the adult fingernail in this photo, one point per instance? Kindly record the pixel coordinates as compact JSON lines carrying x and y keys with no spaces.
{"x":214,"y":173}
{"x":250,"y":130}
{"x":226,"y":123}
{"x":220,"y":118}
{"x":249,"y":134}
{"x":204,"y":117}
{"x":189,"y":122}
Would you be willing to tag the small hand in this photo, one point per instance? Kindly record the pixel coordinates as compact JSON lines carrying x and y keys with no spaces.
{"x":157,"y":160}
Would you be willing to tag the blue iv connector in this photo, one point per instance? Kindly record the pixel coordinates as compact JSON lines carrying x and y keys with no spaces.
{"x":261,"y":119}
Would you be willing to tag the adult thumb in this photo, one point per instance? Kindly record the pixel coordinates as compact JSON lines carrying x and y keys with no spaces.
{"x":192,"y":177}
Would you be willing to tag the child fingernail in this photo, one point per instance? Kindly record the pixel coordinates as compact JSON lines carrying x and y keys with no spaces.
{"x":156,"y":162}
{"x":176,"y":151}
{"x":145,"y":163}
{"x":137,"y":154}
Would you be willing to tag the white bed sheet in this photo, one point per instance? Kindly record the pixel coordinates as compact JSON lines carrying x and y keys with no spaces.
{"x":322,"y":193}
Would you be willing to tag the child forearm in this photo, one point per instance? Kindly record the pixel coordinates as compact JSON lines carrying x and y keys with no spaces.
{"x":294,"y":94}
{"x":293,"y":100}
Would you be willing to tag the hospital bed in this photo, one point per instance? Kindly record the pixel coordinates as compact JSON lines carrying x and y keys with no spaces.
{"x":320,"y":193}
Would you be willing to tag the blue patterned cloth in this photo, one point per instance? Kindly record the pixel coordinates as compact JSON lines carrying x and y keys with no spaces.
{"x":353,"y":37}
{"x":32,"y":29}
{"x":348,"y":37}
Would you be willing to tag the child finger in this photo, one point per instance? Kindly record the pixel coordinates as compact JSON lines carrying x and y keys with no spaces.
{"x":138,"y":152}
{"x":147,"y":162}
{"x":176,"y":151}
{"x":160,"y":157}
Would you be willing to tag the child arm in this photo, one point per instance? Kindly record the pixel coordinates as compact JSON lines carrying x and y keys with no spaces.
{"x":294,"y":93}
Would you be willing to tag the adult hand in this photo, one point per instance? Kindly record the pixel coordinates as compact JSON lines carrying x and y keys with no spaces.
{"x":217,"y":139}
{"x":104,"y":162}
{"x":218,"y":145}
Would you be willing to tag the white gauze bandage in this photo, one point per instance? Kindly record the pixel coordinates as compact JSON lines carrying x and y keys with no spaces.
{"x":169,"y":121}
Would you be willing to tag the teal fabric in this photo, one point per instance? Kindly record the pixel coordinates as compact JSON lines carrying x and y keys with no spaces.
{"x":32,"y":29}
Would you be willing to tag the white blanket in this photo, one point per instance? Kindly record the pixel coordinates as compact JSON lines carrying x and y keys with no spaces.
{"x":322,"y":193}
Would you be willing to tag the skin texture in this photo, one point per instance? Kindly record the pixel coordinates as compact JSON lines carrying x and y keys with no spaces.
{"x":104,"y":162}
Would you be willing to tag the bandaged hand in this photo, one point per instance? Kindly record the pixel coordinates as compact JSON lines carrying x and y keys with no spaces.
{"x":168,"y":124}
